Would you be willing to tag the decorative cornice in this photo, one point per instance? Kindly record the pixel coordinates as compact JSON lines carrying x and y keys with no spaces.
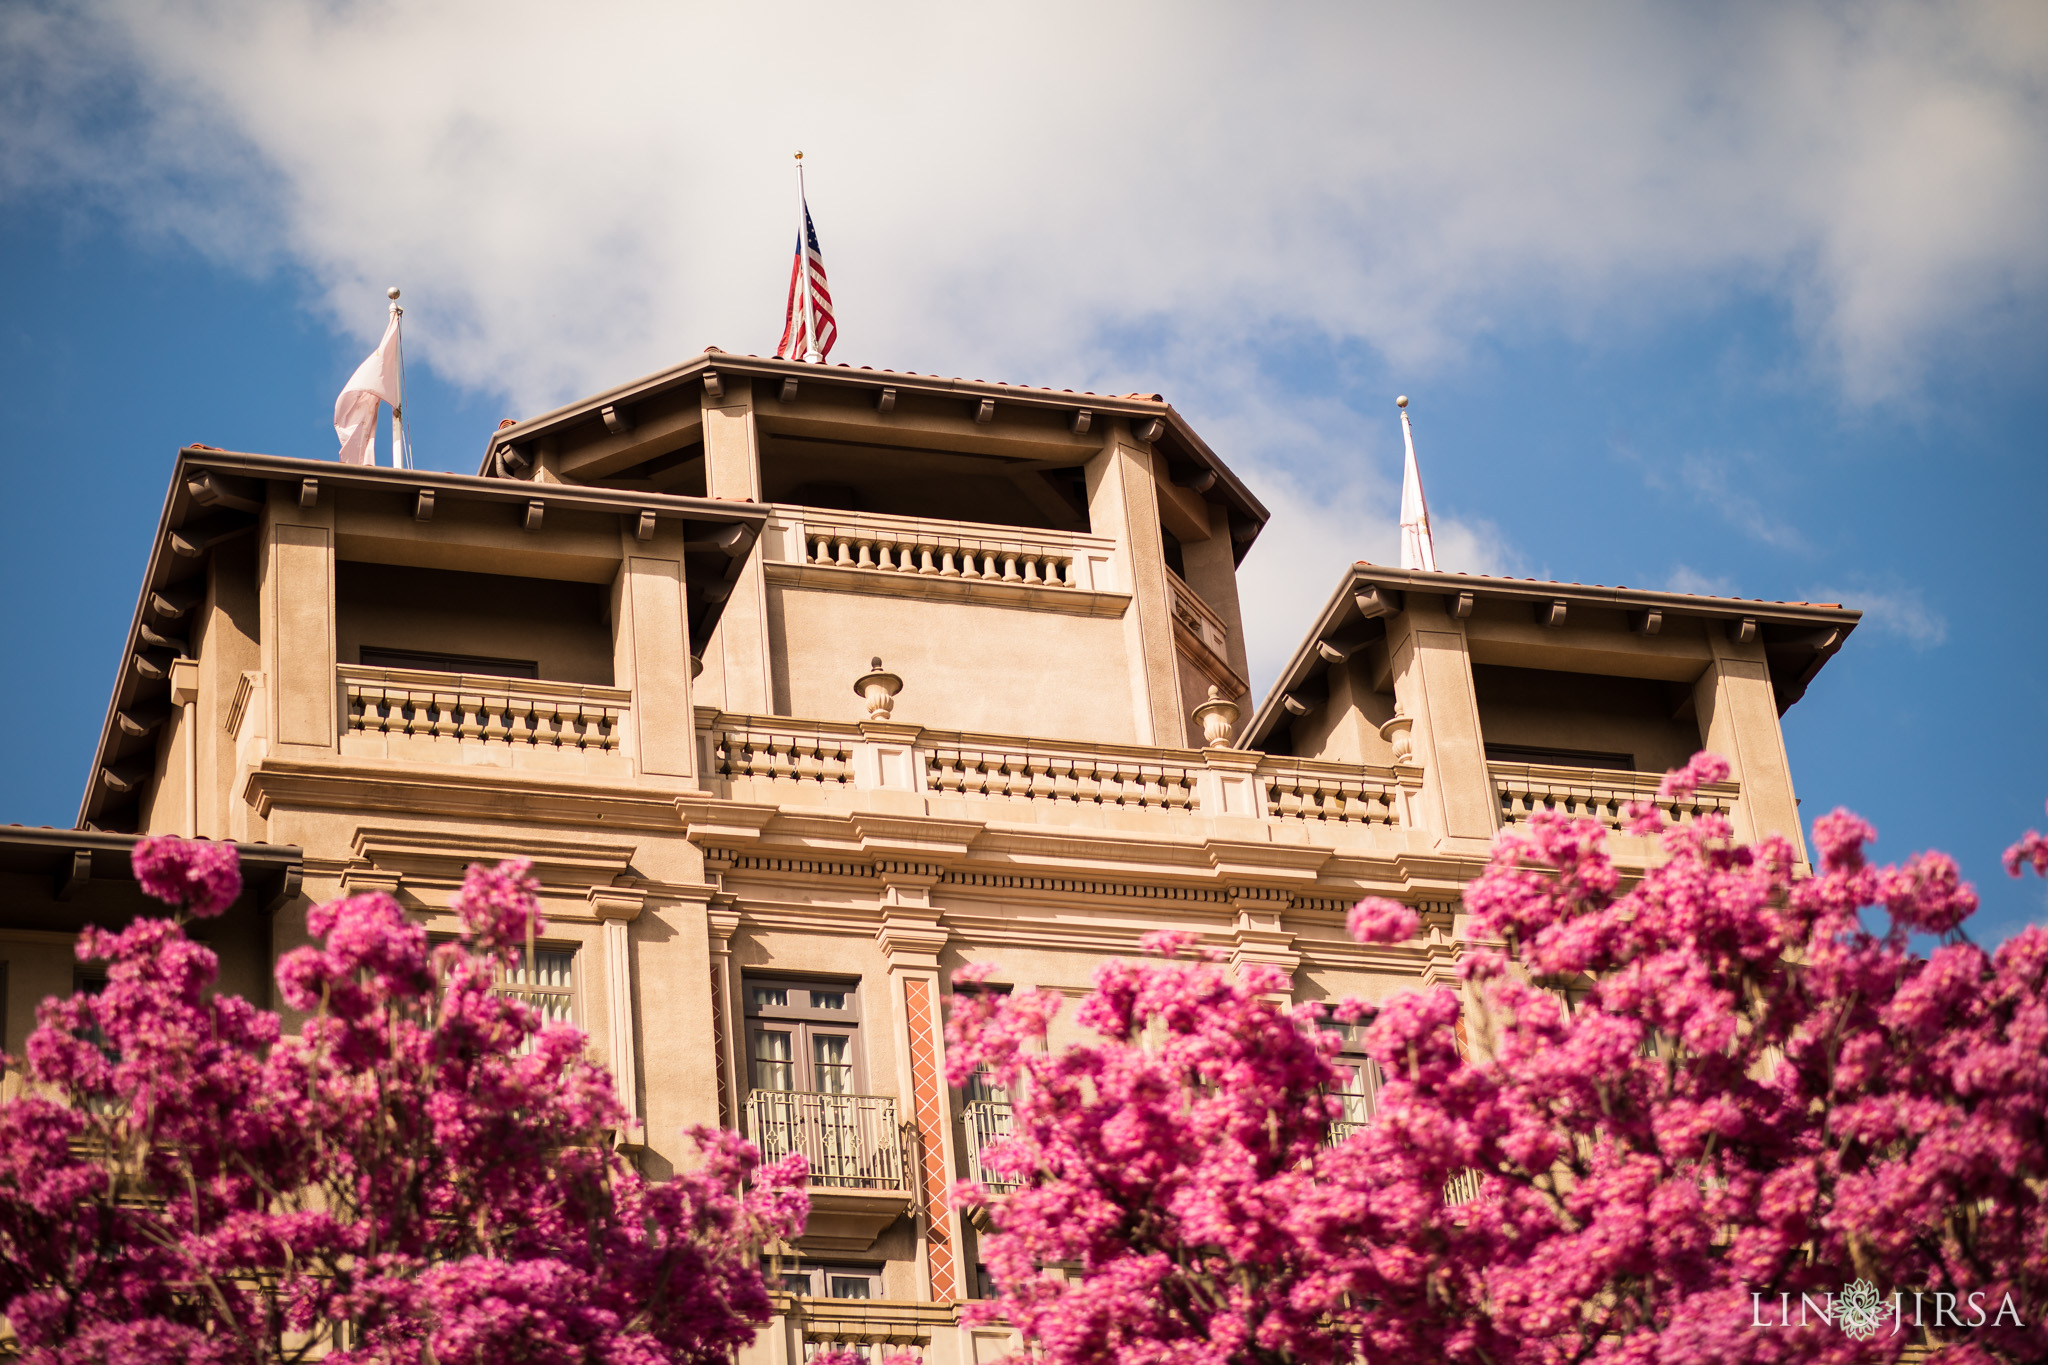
{"x":617,"y":902}
{"x":483,"y":794}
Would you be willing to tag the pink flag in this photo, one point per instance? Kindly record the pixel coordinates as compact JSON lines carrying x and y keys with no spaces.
{"x":355,"y":412}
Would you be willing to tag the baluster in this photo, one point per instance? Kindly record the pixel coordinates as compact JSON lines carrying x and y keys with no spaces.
{"x":491,"y":719}
{"x":865,"y":559}
{"x":1065,"y":780}
{"x":924,"y":559}
{"x":970,"y":562}
{"x":614,"y":717}
{"x":949,"y":568}
{"x":822,"y":551}
{"x":1010,"y":574}
{"x":845,"y":548}
{"x":1031,"y":569}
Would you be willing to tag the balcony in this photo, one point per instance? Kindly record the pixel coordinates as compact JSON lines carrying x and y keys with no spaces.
{"x":860,"y":1168}
{"x":919,"y":556}
{"x":776,"y":759}
{"x":1525,"y":788}
{"x":460,"y":718}
{"x":987,"y":1123}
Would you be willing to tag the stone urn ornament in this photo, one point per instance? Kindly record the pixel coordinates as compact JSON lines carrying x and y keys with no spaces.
{"x":1399,"y":732}
{"x":878,"y":689}
{"x":1218,"y":719}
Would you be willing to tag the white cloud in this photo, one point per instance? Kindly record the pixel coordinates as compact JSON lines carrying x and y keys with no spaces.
{"x":1898,"y":612}
{"x":574,"y":194}
{"x":1687,"y":579}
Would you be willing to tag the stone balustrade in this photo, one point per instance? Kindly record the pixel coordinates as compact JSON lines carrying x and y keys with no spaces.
{"x":1198,"y":617}
{"x":1525,"y":788}
{"x":783,"y":751}
{"x":793,"y":756}
{"x":965,"y":551}
{"x":417,"y":709}
{"x":1336,"y":793}
{"x":1080,"y":776}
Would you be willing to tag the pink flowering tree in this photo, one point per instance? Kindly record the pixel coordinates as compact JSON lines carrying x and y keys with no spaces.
{"x":422,"y":1174}
{"x":1761,"y":1103}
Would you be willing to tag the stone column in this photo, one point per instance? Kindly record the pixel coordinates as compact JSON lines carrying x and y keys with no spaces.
{"x":1123,"y":502}
{"x":1738,"y":715}
{"x":651,"y":655}
{"x":912,"y":938}
{"x":1433,"y":684}
{"x":295,"y":565}
{"x":738,"y":672}
{"x":616,"y":908}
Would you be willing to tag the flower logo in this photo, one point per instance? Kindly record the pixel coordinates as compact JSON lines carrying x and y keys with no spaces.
{"x":1859,"y":1309}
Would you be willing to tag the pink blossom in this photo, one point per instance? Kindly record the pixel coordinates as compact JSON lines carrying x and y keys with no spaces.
{"x":404,"y":1181}
{"x":197,"y":875}
{"x":1758,"y":1089}
{"x":1376,"y":920}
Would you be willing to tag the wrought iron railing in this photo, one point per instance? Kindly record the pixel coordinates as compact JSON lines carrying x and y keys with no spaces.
{"x":851,"y":1141}
{"x":987,"y":1123}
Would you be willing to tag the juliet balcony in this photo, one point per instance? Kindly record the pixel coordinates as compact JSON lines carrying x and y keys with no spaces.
{"x":859,"y":1154}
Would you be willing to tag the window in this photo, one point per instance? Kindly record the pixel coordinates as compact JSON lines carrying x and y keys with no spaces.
{"x":1561,"y":758}
{"x":549,"y":984}
{"x":804,"y":1036}
{"x":375,"y":656}
{"x":816,"y":1281}
{"x":1358,"y":1085}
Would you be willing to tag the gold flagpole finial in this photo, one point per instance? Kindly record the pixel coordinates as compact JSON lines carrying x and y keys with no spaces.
{"x":799,"y":156}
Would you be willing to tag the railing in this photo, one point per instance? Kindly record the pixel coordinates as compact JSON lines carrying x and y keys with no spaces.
{"x":1306,"y":789}
{"x":851,"y":1141}
{"x":1525,"y":788}
{"x":415,"y":704}
{"x":987,"y":1123}
{"x":789,"y":751}
{"x":824,"y":755}
{"x":1198,"y":616}
{"x":947,"y":549}
{"x":1462,"y":1188}
{"x":958,"y":766}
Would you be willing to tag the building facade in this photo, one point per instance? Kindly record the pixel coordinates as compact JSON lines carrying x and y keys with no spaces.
{"x":804,"y":686}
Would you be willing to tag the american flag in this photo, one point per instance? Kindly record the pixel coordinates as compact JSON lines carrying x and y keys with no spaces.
{"x":824,"y":330}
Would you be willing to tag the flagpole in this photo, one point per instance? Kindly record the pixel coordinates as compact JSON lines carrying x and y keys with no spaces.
{"x":803,"y":263}
{"x":400,"y":457}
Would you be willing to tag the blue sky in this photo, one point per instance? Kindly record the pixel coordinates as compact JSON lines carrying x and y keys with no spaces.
{"x":1748,"y":300}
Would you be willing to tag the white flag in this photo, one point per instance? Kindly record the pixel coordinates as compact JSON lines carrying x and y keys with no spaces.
{"x":1418,"y":550}
{"x":355,"y":412}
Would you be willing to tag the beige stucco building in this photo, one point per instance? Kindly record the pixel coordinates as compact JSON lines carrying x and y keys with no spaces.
{"x":640,"y":647}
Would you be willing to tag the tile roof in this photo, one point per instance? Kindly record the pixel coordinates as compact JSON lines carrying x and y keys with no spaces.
{"x":1622,"y":587}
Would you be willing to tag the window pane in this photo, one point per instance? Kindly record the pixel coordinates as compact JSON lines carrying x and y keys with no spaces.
{"x":832,"y":1060}
{"x":828,"y":1000}
{"x":774,"y":1060}
{"x":769,"y":995}
{"x":1359,"y":1092}
{"x":982,"y":1089}
{"x":850,"y":1287}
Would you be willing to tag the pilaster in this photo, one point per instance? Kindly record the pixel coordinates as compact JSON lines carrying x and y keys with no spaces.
{"x":295,"y":566}
{"x":744,"y":678}
{"x":616,"y":908}
{"x":651,"y":655}
{"x":1738,"y":714}
{"x":724,"y":921}
{"x":1123,"y":502}
{"x":1432,"y":671}
{"x":912,"y":938}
